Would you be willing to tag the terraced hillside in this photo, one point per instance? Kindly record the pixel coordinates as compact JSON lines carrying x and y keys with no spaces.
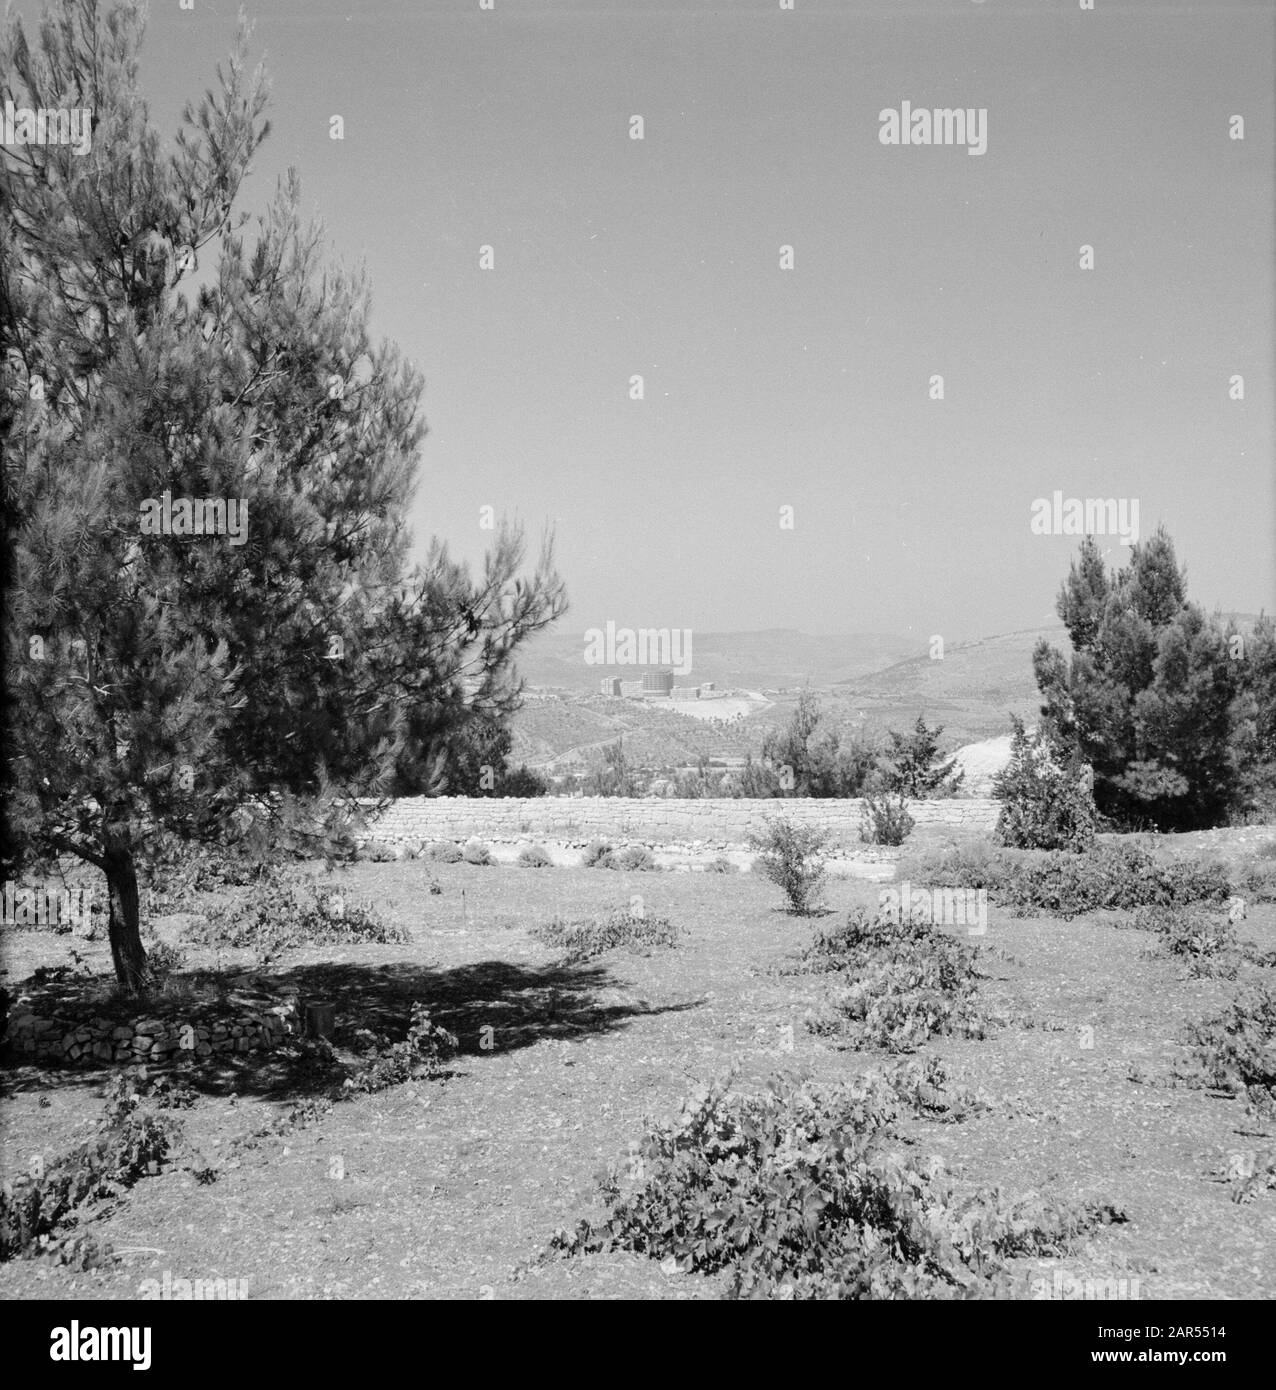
{"x":563,"y":730}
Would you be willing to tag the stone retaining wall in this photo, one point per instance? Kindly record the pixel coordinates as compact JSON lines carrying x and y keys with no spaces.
{"x":242,"y":1026}
{"x":650,"y":821}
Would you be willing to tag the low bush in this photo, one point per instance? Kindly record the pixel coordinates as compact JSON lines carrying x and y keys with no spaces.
{"x":1045,"y":803}
{"x":720,"y":865}
{"x":162,"y":962}
{"x":899,"y":984}
{"x":886,"y":820}
{"x":974,"y":864}
{"x":1255,"y":879}
{"x":44,"y":1212}
{"x":424,"y":1052}
{"x":285,"y":912}
{"x":848,"y":944}
{"x":381,"y":852}
{"x":806,"y":1193}
{"x":476,"y":852}
{"x":535,"y":857}
{"x":585,"y":938}
{"x":599,"y":854}
{"x":897,"y":1005}
{"x":1205,"y":941}
{"x":922,"y":1088}
{"x":634,"y":858}
{"x":444,"y":852}
{"x":1237,"y":1048}
{"x":1251,"y":1174}
{"x":791,"y":857}
{"x":1116,"y":875}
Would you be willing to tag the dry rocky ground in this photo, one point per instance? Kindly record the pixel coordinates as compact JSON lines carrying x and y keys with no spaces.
{"x":450,"y":1188}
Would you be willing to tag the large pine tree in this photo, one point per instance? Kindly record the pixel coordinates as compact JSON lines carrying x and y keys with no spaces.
{"x":1152,"y":697}
{"x":199,"y":682}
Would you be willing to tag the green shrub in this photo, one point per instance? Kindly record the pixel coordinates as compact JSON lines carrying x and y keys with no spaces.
{"x":849,"y":943}
{"x":792,"y":858}
{"x":42,"y":1214}
{"x":1251,"y":1174}
{"x":597,"y":855}
{"x":808,"y":1193}
{"x":1237,"y":1048}
{"x":1205,"y":941}
{"x":1114,"y":875}
{"x":425,"y":1052}
{"x":162,"y":961}
{"x":921,"y":1086}
{"x":284,"y":912}
{"x":886,"y":820}
{"x":535,"y":857}
{"x":1117,"y":875}
{"x":476,"y":852}
{"x":585,"y":938}
{"x":1044,"y":803}
{"x":445,"y":852}
{"x":635,"y":858}
{"x":381,"y":852}
{"x":973,"y":864}
{"x":1255,"y":879}
{"x":899,"y":984}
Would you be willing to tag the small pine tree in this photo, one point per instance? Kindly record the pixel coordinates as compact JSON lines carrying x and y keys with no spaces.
{"x":1045,"y":804}
{"x":792,"y":858}
{"x":885,"y":819}
{"x":912,"y":767}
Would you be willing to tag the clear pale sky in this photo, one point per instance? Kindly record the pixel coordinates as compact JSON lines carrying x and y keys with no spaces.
{"x":808,"y":387}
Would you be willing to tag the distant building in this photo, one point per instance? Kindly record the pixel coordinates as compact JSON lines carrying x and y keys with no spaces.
{"x":610,"y":685}
{"x":657,"y":682}
{"x":685,"y":692}
{"x":631,"y":687}
{"x":707,"y":686}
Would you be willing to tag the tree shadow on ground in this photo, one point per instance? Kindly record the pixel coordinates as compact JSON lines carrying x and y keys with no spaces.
{"x":520,"y":1005}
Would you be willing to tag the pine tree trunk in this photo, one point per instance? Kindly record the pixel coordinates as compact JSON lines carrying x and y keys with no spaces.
{"x":125,"y":914}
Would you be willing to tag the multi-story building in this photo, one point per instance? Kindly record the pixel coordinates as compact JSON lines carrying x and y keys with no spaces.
{"x":657,"y":682}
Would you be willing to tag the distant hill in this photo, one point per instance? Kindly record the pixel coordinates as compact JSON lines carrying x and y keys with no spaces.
{"x":971,"y":691}
{"x":864,"y":681}
{"x":776,"y":658}
{"x":563,"y":731}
